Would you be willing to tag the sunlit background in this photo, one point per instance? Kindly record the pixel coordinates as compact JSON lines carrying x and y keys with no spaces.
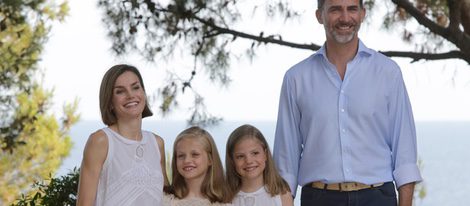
{"x":78,"y":54}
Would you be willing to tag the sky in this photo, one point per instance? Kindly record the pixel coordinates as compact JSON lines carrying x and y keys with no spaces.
{"x":78,"y":54}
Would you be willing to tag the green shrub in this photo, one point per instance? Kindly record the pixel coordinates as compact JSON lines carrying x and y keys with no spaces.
{"x":54,"y":192}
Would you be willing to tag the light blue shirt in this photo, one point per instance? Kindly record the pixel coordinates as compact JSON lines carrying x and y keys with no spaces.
{"x":360,"y":129}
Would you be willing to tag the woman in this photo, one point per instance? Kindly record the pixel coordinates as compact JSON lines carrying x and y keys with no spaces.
{"x":122,"y":164}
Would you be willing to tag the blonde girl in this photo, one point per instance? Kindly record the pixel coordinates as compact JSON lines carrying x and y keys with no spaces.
{"x":198,"y":177}
{"x":251,"y":174}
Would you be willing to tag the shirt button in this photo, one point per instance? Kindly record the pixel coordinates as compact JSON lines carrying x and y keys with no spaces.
{"x":343,"y":130}
{"x":342,"y":110}
{"x":342,"y":91}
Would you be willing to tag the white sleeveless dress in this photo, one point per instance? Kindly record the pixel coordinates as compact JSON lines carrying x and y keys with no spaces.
{"x":131,"y":173}
{"x":260,"y":197}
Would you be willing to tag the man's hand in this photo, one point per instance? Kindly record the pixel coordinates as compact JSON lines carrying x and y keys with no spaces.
{"x":405,"y":194}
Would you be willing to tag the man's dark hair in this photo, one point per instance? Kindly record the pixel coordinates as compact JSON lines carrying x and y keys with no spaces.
{"x":321,"y":2}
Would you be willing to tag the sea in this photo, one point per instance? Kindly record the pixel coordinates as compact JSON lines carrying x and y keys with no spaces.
{"x":443,"y":151}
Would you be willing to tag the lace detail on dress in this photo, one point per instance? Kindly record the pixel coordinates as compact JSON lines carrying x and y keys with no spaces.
{"x":140,"y":179}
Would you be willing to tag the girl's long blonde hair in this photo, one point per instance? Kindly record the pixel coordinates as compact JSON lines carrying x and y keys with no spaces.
{"x":213,"y":186}
{"x":273,"y":182}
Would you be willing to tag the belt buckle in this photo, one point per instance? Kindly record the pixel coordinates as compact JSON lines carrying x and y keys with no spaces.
{"x":348,"y":187}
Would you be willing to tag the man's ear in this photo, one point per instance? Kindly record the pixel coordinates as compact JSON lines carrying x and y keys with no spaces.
{"x":318,"y":13}
{"x":363,"y":15}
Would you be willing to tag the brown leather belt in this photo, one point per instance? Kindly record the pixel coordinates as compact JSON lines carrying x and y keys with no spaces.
{"x":345,"y":186}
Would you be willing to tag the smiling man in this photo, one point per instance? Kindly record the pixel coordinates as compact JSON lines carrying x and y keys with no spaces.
{"x":345,"y":130}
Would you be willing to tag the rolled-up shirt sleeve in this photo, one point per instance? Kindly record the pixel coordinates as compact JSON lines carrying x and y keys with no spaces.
{"x":404,"y":143}
{"x":288,"y":140}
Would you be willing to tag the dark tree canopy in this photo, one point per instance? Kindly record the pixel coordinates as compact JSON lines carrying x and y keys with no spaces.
{"x":205,"y":29}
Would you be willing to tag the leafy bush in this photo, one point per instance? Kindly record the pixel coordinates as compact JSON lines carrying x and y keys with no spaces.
{"x":61,"y":191}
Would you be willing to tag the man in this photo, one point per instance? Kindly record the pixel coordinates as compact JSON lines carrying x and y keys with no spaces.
{"x":345,"y":129}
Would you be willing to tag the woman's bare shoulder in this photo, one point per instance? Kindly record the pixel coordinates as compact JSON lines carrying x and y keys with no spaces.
{"x":159,"y":139}
{"x":98,"y":137}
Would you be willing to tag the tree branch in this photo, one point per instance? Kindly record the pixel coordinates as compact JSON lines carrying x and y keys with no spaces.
{"x":454,"y":15}
{"x":426,"y":56}
{"x":456,"y":36}
{"x":222,"y":30}
{"x":421,"y":18}
{"x":414,"y":55}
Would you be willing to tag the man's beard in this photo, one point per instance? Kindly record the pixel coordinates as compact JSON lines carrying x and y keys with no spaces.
{"x":343,"y":38}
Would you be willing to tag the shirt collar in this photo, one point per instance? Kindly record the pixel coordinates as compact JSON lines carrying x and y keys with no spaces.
{"x":362,"y":50}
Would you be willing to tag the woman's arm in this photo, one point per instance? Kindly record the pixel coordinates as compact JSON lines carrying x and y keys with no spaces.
{"x":161,"y":147}
{"x":94,"y":155}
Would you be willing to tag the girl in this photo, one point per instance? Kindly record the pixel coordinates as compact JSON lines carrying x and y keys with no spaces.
{"x":122,"y":164}
{"x":198,"y":177}
{"x":251,"y":174}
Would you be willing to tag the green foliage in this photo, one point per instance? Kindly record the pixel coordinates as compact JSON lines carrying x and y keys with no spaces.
{"x":23,"y":30}
{"x":24,"y":26}
{"x":33,"y":142}
{"x":44,"y":147}
{"x":55,"y":191}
